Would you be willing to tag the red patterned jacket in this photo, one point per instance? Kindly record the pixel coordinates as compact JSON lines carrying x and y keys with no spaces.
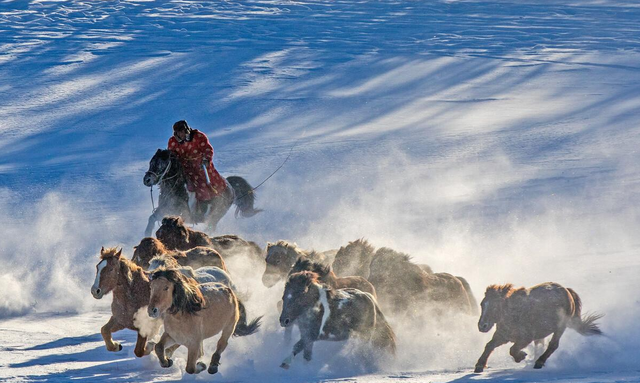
{"x":191,"y":155}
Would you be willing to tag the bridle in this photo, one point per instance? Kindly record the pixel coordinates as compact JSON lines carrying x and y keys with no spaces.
{"x":159,"y":180}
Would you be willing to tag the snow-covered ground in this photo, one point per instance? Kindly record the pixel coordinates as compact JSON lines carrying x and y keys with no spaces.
{"x":497,"y":140}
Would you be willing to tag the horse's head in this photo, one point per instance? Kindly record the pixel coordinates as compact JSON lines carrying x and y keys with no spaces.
{"x":147,"y":249}
{"x":299,"y":295}
{"x":158,"y":166}
{"x":353,"y":259}
{"x":108,"y":271}
{"x":172,"y":292}
{"x":493,"y":306}
{"x":280,"y":257}
{"x":173,"y":233}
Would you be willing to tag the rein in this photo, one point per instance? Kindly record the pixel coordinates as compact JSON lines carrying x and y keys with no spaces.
{"x":274,"y":172}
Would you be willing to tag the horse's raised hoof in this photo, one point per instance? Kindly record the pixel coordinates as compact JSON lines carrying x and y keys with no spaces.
{"x":478,"y":369}
{"x":285,"y":366}
{"x":520,"y":357}
{"x":168,"y":364}
{"x":538,"y":365}
{"x":200,"y":366}
{"x":118,"y":347}
{"x":213,"y":369}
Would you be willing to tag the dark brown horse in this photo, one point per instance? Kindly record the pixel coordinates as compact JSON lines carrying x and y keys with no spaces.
{"x":165,"y":170}
{"x":199,"y":256}
{"x":329,"y":278}
{"x":175,"y":235}
{"x":130,"y":288}
{"x":322,"y":313}
{"x":524,"y":315}
{"x":401,"y":285}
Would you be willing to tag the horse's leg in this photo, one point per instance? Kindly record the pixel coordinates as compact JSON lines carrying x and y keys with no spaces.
{"x":288,"y":331}
{"x":553,"y":345}
{"x":193,"y":354}
{"x":516,"y":350}
{"x":308,"y":351}
{"x":141,"y":346}
{"x":165,"y":341}
{"x":219,"y":207}
{"x":150,"y":225}
{"x":168,"y":351}
{"x":222,"y":344}
{"x":496,"y":341}
{"x":106,"y":330}
{"x":299,"y":346}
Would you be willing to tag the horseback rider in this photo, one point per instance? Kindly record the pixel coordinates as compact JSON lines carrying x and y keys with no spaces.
{"x":195,"y":153}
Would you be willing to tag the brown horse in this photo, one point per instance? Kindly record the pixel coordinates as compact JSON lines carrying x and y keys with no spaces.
{"x":401,"y":284}
{"x":329,"y":278}
{"x":175,"y":235}
{"x":354,"y":259}
{"x":526,"y":315}
{"x":199,"y":256}
{"x":282,"y":255}
{"x":192,"y":313}
{"x":130,"y":288}
{"x":322,"y":313}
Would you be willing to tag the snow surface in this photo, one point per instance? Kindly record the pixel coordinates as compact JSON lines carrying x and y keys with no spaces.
{"x":497,"y":140}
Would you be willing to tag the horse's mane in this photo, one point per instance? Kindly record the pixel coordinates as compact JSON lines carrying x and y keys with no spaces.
{"x":288,"y":246}
{"x":504,"y":291}
{"x":164,"y":261}
{"x":361,"y":245}
{"x":303,"y":278}
{"x":390,"y":255}
{"x":126,"y":266}
{"x":306,"y":264}
{"x":187,"y":297}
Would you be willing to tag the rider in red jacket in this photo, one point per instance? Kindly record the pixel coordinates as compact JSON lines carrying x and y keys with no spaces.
{"x":195,"y":153}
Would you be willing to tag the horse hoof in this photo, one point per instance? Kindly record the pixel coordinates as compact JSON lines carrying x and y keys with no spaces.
{"x":168,"y":364}
{"x":200,"y":367}
{"x":213,"y":369}
{"x":118,"y":348}
{"x":520,"y":357}
{"x":285,"y":366}
{"x":478,"y":369}
{"x":538,"y":366}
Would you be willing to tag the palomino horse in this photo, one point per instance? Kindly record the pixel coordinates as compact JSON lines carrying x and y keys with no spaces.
{"x":165,"y":170}
{"x":282,"y":255}
{"x":199,"y":256}
{"x":193,"y":313}
{"x":130,"y":288}
{"x":329,"y":278}
{"x":322,"y":313}
{"x":202,"y":275}
{"x":526,"y":315}
{"x":175,"y":235}
{"x":401,"y":284}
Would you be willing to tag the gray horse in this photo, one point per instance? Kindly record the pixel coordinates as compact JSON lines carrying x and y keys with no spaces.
{"x":165,"y":170}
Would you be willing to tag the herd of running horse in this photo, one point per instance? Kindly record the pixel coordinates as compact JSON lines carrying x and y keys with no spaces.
{"x":180,"y":280}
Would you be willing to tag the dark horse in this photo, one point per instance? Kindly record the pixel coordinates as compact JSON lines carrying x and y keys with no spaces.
{"x":165,"y":170}
{"x":323,"y":313}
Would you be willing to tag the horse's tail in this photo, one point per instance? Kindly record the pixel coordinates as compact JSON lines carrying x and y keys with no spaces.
{"x":245,"y":197}
{"x":583,"y":325}
{"x":472,"y":300}
{"x":242,"y":328}
{"x":383,"y":336}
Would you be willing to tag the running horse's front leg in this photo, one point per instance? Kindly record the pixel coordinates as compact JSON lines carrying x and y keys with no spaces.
{"x":110,"y":327}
